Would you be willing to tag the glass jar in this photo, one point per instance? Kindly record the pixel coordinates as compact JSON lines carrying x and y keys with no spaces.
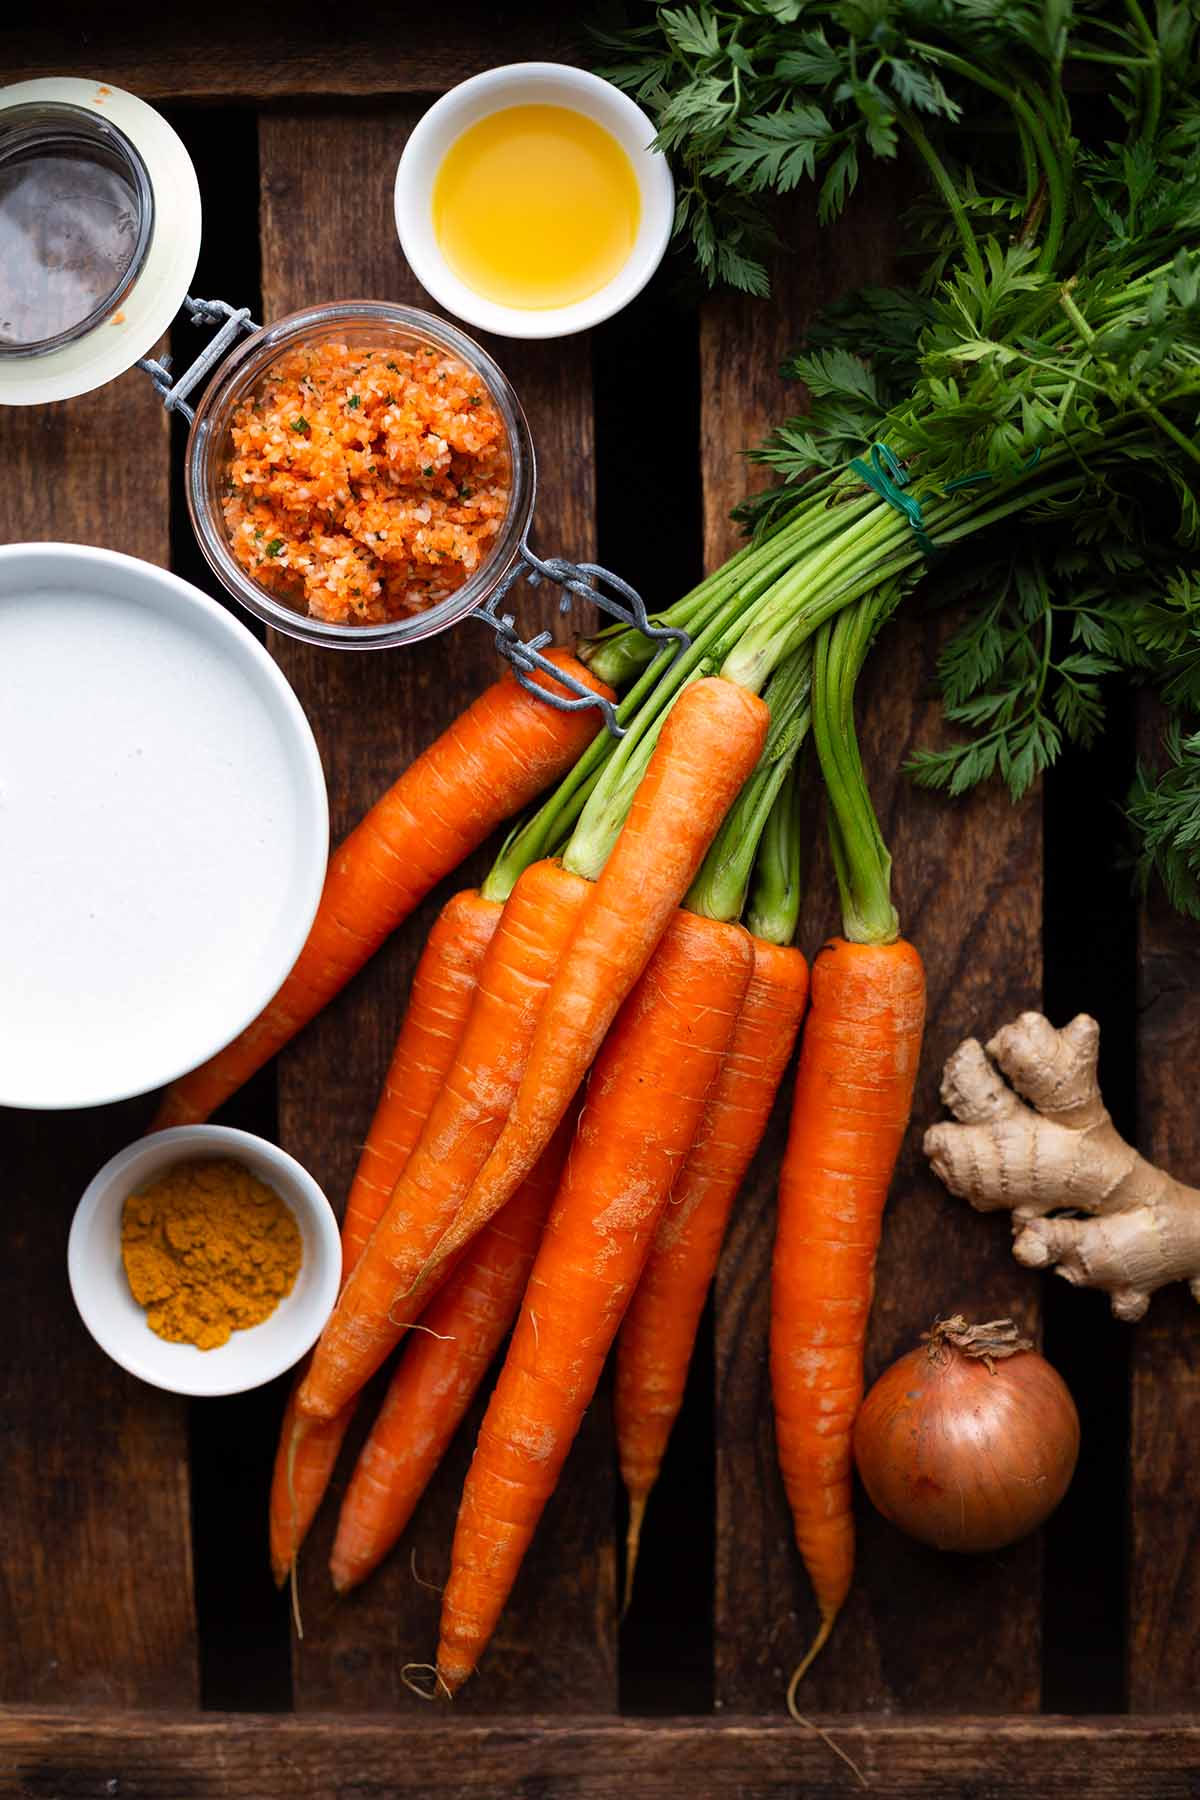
{"x":99,"y":235}
{"x":76,"y":222}
{"x":370,"y":325}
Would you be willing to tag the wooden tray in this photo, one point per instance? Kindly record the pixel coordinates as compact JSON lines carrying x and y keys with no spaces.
{"x":132,"y":1558}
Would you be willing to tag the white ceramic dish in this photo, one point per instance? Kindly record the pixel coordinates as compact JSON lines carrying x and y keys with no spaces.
{"x":164,"y":829}
{"x":530,"y":84}
{"x":118,"y":1323}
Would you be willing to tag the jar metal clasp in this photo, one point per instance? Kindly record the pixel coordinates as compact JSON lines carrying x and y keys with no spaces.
{"x":174,"y":391}
{"x":586,"y":581}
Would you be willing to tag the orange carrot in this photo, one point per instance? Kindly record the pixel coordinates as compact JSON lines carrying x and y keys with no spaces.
{"x":659,"y":1330}
{"x":644,"y":1104}
{"x":442,"y":992}
{"x":442,"y":989}
{"x":491,"y":762}
{"x":854,"y":1088}
{"x":439,"y":1373}
{"x":377,"y":1303}
{"x":709,"y":743}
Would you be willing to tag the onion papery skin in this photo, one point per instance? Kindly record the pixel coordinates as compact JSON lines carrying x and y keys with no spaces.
{"x":963,"y":1458}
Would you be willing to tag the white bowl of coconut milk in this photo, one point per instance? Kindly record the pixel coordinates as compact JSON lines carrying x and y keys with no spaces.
{"x":164,"y":829}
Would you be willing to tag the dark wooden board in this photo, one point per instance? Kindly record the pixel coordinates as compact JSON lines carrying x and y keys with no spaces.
{"x":95,"y":1580}
{"x":96,"y":1606}
{"x":231,"y":52}
{"x":967,"y":882}
{"x":48,"y":1757}
{"x":327,"y":231}
{"x":1164,"y":1563}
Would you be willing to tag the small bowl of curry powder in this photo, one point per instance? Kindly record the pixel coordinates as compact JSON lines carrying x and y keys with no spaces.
{"x":204,"y":1260}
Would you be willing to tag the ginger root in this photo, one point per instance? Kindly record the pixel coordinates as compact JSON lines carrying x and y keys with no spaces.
{"x":1050,"y":1148}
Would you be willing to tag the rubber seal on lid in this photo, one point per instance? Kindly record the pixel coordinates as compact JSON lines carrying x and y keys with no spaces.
{"x":101,"y":202}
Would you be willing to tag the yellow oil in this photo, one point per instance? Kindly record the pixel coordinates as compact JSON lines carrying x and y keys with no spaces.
{"x":536,"y":206}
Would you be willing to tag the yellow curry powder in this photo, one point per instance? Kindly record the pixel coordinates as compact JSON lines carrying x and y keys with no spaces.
{"x":208,"y":1249}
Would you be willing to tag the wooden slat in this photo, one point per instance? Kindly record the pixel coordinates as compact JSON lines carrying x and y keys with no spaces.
{"x":1164,"y":1566}
{"x":95,"y":1579}
{"x":967,"y":883}
{"x":327,"y":232}
{"x":259,"y":1758}
{"x":234,"y":53}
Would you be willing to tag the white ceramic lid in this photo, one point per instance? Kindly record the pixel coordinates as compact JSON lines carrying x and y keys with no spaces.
{"x":158,"y":292}
{"x":163,"y":826}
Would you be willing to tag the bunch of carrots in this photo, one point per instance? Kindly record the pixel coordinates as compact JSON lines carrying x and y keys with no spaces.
{"x":595,"y":1037}
{"x":593,"y":1044}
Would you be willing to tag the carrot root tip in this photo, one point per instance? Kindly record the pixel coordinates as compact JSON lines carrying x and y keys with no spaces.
{"x":819,"y":1731}
{"x":806,"y":1724}
{"x":426,"y":1681}
{"x":806,"y":1662}
{"x":297,"y":1621}
{"x":298,"y":1431}
{"x":633,"y":1538}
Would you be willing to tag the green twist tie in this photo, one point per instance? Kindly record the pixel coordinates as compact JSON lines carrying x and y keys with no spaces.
{"x":888,"y":477}
{"x":1031,"y":462}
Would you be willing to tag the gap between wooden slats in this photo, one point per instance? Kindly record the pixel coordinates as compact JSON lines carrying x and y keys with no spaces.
{"x":920,"y":1633}
{"x":1164,"y":1566}
{"x":328,"y":233}
{"x":96,"y":1586}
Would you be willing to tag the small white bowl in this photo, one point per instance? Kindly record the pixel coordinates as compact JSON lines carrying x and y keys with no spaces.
{"x":116,"y":1321}
{"x":531,"y":84}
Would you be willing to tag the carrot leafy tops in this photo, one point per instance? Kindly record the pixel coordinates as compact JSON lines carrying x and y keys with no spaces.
{"x":1051,"y":154}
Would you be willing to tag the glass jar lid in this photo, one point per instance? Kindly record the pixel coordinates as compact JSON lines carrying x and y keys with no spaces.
{"x":99,"y":235}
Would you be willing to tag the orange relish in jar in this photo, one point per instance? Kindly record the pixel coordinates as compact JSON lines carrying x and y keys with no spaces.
{"x":366,"y":485}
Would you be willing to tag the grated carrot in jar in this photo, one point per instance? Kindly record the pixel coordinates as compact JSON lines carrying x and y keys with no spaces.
{"x":366,"y":484}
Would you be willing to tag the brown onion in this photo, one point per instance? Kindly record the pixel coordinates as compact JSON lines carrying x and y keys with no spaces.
{"x":970,"y":1441}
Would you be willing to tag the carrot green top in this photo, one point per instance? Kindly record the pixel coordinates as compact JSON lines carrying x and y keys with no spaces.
{"x":860,"y":856}
{"x":774,"y":909}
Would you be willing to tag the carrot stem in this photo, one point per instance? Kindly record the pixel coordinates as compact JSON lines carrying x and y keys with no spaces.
{"x":774,"y":910}
{"x":749,"y":573}
{"x":719,"y":890}
{"x":860,"y":856}
{"x":880,"y":548}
